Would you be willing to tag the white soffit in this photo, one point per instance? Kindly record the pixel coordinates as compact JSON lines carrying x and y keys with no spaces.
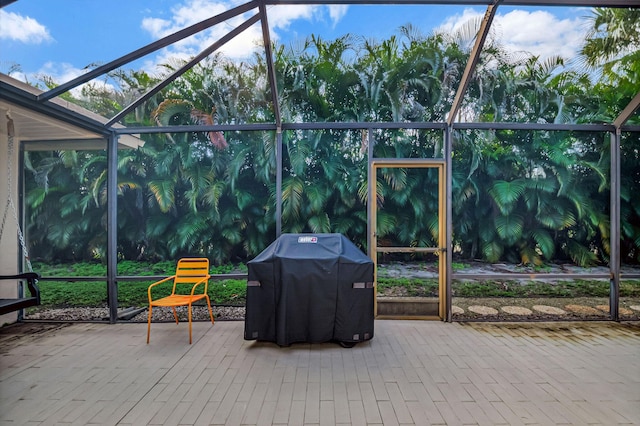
{"x":41,"y":132}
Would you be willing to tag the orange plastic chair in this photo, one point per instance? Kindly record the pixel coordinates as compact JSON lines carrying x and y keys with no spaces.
{"x":190,"y":273}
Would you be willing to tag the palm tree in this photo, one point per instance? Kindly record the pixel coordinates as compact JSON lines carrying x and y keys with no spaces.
{"x":613,"y":37}
{"x":65,"y":220}
{"x":521,"y":196}
{"x":612,"y":48}
{"x":214,"y":192}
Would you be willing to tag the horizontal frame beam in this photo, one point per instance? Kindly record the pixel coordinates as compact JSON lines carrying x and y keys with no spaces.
{"x":520,"y":276}
{"x":566,"y":3}
{"x":536,"y":126}
{"x":215,"y":277}
{"x":19,"y":97}
{"x":458,"y":276}
{"x":257,"y":127}
{"x":377,"y":125}
{"x":410,"y":249}
{"x":422,"y":163}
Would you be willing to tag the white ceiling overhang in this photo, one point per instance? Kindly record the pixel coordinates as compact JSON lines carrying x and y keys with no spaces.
{"x":39,"y":130}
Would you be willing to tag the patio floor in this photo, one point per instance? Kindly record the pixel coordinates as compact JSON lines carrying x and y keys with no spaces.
{"x":411,"y":372}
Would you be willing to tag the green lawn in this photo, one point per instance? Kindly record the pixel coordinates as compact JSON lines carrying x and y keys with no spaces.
{"x":130,"y":293}
{"x":233,"y":292}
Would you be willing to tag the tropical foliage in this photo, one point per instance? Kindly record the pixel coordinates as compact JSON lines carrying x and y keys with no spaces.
{"x":521,"y":196}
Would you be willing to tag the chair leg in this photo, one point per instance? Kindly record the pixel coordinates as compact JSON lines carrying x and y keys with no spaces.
{"x":175,"y":313}
{"x":149,"y":325}
{"x":209,"y":306}
{"x":189,"y":323}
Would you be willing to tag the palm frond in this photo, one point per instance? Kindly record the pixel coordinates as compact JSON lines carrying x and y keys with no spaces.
{"x":316,"y":197}
{"x":158,"y":225}
{"x":492,"y":250}
{"x":212,"y":195}
{"x":544,"y":242}
{"x":319,"y":223}
{"x":386,"y":223}
{"x":292,"y":190}
{"x":580,"y":254}
{"x":232,"y":235}
{"x":204,"y":119}
{"x":168,"y":109}
{"x":505,"y":194}
{"x":164,"y":193}
{"x":69,"y":157}
{"x":529,"y":256}
{"x":509,"y":227}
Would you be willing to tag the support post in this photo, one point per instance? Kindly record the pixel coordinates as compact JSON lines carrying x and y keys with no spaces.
{"x":614,"y":232}
{"x":112,"y":230}
{"x":279,"y":149}
{"x":24,"y":261}
{"x":371,"y":209}
{"x":448,"y":166}
{"x":271,"y":74}
{"x":371,"y":192}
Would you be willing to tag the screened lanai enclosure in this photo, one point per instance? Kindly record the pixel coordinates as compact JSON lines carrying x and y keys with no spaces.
{"x":468,"y":162}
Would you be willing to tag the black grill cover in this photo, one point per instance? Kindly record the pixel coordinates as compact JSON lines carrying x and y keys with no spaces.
{"x":310,"y":288}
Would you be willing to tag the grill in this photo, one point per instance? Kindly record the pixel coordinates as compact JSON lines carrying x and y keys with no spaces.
{"x":310,"y":288}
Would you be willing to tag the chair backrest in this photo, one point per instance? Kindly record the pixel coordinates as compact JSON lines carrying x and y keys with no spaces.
{"x":190,"y":270}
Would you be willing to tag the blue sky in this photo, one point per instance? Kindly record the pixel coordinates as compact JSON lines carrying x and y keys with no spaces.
{"x":61,"y":38}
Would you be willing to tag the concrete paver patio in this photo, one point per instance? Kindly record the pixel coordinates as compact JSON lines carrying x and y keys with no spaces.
{"x":411,"y":372}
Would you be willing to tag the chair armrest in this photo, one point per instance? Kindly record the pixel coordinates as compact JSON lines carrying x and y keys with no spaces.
{"x":31,"y":278}
{"x":156,"y":283}
{"x":206,"y":285}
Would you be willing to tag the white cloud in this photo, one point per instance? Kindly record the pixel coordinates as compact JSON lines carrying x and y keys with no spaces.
{"x":182,"y":16}
{"x":541,"y":33}
{"x":537,"y":32}
{"x":242,"y":46}
{"x":191,"y":12}
{"x":281,"y":17}
{"x":454,"y":23}
{"x":337,"y":12}
{"x":156,"y":27}
{"x":22,"y":29}
{"x":63,"y":72}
